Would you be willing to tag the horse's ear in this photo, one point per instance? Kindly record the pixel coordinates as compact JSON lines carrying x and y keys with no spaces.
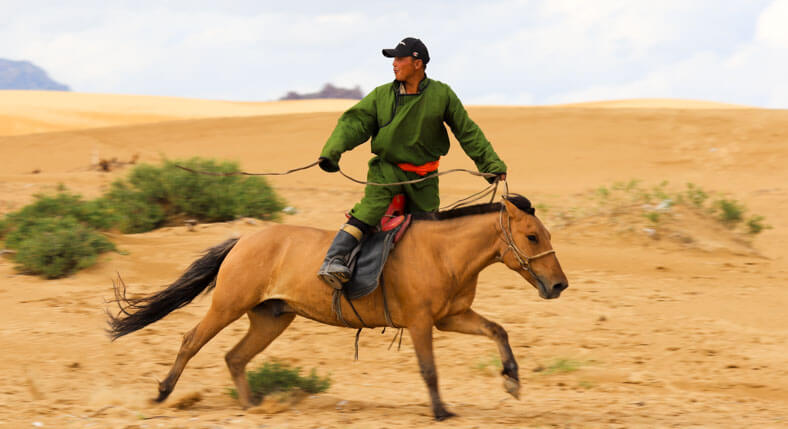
{"x":511,"y":209}
{"x":518,"y":203}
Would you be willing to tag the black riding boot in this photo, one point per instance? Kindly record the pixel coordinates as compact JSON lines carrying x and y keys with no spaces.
{"x":335,"y":270}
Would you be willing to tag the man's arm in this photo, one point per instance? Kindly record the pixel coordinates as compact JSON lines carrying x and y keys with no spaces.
{"x":354,"y":127}
{"x":471,"y":137}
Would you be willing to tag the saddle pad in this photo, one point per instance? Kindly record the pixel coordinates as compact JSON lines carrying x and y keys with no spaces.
{"x":369,"y":262}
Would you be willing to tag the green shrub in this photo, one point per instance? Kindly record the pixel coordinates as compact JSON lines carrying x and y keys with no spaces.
{"x":659,"y":191}
{"x":56,"y":234}
{"x":150,"y":195}
{"x":5,"y":226}
{"x":492,"y":361}
{"x":314,"y":384}
{"x":58,"y":246}
{"x":755,"y":225}
{"x":61,"y":204}
{"x":278,"y":377}
{"x":652,"y":216}
{"x":218,"y":198}
{"x":132,"y":209}
{"x":560,"y":366}
{"x":98,"y":214}
{"x":628,"y":186}
{"x":695,"y":195}
{"x":209,"y":198}
{"x":16,"y":226}
{"x":660,"y":202}
{"x":730,"y":212}
{"x":150,"y":182}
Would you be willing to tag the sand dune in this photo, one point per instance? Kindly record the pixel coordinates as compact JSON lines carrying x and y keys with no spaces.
{"x":656,"y":103}
{"x":26,"y":112}
{"x":661,"y":334}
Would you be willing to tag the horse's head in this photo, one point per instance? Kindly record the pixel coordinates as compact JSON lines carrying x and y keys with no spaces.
{"x":526,"y":247}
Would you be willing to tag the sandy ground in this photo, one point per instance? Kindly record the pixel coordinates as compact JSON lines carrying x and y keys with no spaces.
{"x":26,"y":112}
{"x":662,"y":335}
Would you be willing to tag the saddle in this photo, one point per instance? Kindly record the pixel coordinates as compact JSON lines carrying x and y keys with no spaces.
{"x":370,"y":257}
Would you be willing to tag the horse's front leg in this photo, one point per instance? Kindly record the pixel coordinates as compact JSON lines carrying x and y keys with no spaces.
{"x":469,"y":322}
{"x":421,"y":335}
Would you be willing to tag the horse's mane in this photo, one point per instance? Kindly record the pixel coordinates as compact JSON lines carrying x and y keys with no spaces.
{"x":519,"y":201}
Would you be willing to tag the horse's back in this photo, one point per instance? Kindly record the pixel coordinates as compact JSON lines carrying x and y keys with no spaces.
{"x":274,"y":245}
{"x":277,"y":262}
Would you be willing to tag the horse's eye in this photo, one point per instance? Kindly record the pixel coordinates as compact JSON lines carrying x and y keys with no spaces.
{"x":533,"y":239}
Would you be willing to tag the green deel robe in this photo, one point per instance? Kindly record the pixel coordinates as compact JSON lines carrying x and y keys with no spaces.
{"x":407,"y":128}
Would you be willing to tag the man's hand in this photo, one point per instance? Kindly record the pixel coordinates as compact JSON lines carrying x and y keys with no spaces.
{"x":499,"y":177}
{"x":328,"y":165}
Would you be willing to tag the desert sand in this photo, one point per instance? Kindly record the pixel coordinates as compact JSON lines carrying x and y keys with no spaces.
{"x":656,"y":103}
{"x":27,"y":112}
{"x":662,"y":334}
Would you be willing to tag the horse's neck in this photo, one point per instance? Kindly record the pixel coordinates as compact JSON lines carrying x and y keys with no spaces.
{"x":468,"y":244}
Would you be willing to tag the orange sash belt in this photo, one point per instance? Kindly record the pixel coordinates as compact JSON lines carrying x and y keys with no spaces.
{"x":421,"y":170}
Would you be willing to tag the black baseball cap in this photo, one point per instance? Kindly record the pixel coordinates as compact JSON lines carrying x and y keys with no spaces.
{"x":409,"y":47}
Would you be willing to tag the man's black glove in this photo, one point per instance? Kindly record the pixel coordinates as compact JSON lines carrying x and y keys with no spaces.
{"x":328,"y":165}
{"x":498,"y":177}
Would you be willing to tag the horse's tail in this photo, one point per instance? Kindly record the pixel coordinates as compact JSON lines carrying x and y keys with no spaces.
{"x":137,"y":313}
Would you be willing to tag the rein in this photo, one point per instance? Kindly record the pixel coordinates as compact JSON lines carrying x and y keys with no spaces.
{"x":244,"y":173}
{"x":361,"y":182}
{"x":491,"y":189}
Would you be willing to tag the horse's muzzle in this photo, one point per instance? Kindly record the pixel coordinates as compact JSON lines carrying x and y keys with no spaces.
{"x":556,"y":290}
{"x":546,"y":292}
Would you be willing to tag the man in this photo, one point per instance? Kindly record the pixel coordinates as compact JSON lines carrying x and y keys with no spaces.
{"x":405,"y":120}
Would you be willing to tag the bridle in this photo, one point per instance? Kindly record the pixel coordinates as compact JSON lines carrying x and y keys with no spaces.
{"x":508,"y":238}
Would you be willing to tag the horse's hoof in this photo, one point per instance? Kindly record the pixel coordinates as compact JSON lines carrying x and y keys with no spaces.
{"x":511,"y":386}
{"x":443,"y":415}
{"x":163,"y":394}
{"x":250,"y":403}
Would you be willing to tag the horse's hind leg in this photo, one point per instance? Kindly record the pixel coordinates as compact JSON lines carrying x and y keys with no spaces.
{"x":469,"y":322}
{"x":266,"y":323}
{"x":213,"y":322}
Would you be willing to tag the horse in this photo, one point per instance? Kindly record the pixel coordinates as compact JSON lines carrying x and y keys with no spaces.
{"x":430,"y":281}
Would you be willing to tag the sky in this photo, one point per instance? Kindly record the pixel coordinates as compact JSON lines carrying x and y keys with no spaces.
{"x":515,"y":52}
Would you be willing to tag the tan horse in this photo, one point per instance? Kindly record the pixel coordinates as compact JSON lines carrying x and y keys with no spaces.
{"x":430,"y":280}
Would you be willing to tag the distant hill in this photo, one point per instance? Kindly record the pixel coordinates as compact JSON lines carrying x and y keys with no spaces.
{"x":26,"y":75}
{"x":328,"y":91}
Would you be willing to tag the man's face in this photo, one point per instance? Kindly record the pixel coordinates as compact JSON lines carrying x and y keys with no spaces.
{"x":405,"y":67}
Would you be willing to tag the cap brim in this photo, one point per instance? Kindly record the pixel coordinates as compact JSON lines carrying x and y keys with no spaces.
{"x":390,"y":53}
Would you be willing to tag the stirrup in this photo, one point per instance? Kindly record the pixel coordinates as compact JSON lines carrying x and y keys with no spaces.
{"x":332,"y":280}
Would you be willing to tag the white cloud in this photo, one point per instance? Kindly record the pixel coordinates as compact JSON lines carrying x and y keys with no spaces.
{"x":752,"y":73}
{"x":683,"y":79}
{"x":504,"y":52}
{"x":773,"y":24}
